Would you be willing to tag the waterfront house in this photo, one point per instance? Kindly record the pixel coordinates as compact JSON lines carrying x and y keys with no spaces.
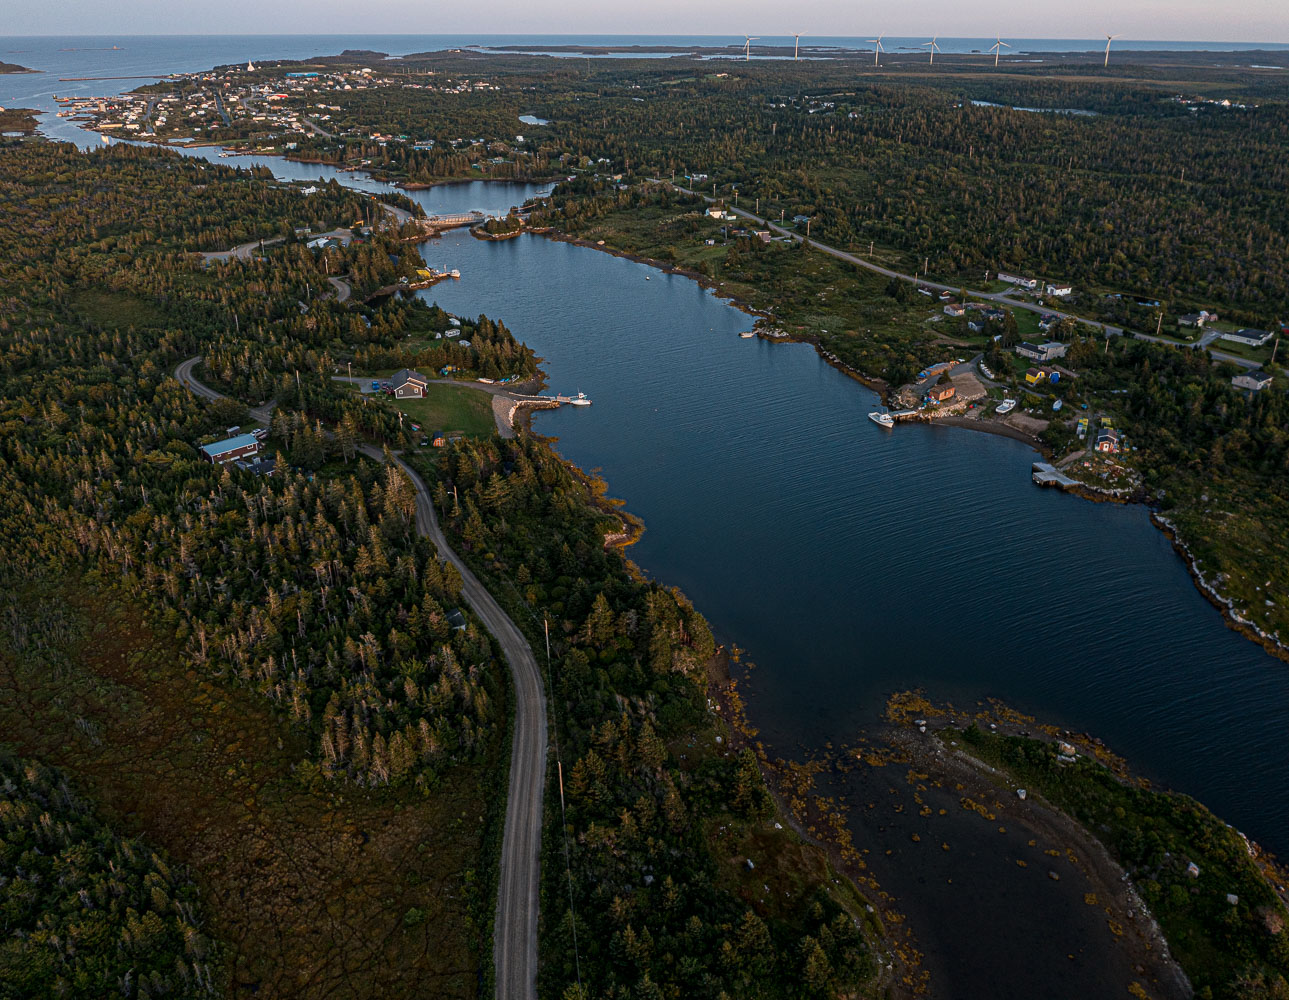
{"x":940,"y":393}
{"x":1252,"y":338}
{"x":231,"y":449}
{"x":1254,"y":381}
{"x":1107,"y":440}
{"x":408,"y":384}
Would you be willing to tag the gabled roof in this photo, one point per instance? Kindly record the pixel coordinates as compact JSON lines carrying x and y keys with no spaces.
{"x":406,"y":375}
{"x":230,"y":444}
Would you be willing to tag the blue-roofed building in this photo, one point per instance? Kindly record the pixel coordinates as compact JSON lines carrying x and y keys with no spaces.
{"x":231,"y":449}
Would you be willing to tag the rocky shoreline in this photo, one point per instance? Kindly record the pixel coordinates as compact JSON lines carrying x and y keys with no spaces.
{"x":1224,"y":604}
{"x":1091,"y":493}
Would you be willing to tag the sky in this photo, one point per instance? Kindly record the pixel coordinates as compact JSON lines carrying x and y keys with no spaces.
{"x":1182,"y":20}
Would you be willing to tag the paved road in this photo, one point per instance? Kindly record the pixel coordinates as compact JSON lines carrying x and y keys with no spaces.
{"x":183,"y":373}
{"x":318,"y":129}
{"x":1002,"y":298}
{"x":242,"y":252}
{"x":515,"y":928}
{"x":342,"y":289}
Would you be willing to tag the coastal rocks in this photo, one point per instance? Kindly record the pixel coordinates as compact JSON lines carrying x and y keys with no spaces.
{"x":1226,"y":605}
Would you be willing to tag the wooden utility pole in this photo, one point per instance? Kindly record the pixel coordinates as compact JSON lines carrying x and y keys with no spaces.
{"x":1273,"y":352}
{"x":1160,"y":325}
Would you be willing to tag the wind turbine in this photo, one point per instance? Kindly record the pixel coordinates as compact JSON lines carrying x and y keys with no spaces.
{"x":877,"y":47}
{"x":997,"y":48}
{"x":934,"y":48}
{"x":797,"y":46}
{"x":747,"y":46}
{"x":1108,"y":40}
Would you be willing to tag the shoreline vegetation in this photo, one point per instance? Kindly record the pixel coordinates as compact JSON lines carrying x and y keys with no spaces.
{"x":1222,"y":602}
{"x":1216,"y":897}
{"x":20,"y":120}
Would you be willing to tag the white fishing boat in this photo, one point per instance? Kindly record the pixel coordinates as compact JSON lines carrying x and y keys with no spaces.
{"x":882,"y":419}
{"x":748,"y":334}
{"x":579,"y":400}
{"x":1006,"y":406}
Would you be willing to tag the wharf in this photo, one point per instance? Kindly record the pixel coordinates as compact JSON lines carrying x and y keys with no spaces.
{"x":1046,"y":474}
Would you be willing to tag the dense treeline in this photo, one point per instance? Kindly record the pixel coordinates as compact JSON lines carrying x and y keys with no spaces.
{"x":651,"y":793}
{"x":316,"y":591}
{"x":1145,"y":195}
{"x":86,"y":913}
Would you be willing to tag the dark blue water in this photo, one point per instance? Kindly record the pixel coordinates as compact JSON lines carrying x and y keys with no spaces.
{"x":850,"y":561}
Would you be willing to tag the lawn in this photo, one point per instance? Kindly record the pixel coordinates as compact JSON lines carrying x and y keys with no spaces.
{"x":312,"y":888}
{"x":451,"y":408}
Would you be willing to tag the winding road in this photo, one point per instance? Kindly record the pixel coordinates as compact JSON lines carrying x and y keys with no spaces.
{"x":1000,"y":297}
{"x":515,"y":927}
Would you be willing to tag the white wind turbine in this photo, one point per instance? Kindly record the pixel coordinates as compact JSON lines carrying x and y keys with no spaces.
{"x":877,"y":47}
{"x":934,"y":48}
{"x":747,"y":46}
{"x":1108,"y":40}
{"x":998,"y":47}
{"x":797,"y":47}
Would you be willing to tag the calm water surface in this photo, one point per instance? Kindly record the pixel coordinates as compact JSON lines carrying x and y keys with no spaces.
{"x":847,"y":560}
{"x":850,"y":561}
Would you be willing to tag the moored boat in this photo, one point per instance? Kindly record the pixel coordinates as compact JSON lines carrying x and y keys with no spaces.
{"x":882,"y":419}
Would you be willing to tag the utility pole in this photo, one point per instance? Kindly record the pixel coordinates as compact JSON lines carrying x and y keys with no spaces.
{"x":1273,"y":352}
{"x":1160,"y":325}
{"x":350,"y":366}
{"x":870,"y":249}
{"x":808,"y":221}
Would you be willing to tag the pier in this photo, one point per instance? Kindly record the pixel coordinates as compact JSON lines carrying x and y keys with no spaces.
{"x":1046,"y":474}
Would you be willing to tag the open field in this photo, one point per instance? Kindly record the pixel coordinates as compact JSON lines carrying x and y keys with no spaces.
{"x":312,"y":888}
{"x":453,"y":409}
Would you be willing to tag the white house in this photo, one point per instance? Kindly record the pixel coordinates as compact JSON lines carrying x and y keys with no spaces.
{"x":1016,"y":279}
{"x":1254,"y":338}
{"x":1059,"y":291}
{"x":1255,"y":380}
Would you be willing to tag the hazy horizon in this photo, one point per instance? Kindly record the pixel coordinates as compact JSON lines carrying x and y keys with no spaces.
{"x":1189,"y":20}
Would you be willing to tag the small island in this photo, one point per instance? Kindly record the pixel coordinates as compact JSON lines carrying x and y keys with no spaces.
{"x":22,"y":120}
{"x":15,"y":68}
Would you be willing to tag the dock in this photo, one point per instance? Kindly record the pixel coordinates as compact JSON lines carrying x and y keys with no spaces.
{"x":1046,"y":474}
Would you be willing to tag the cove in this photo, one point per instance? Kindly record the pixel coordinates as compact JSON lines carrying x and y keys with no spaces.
{"x":850,"y":561}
